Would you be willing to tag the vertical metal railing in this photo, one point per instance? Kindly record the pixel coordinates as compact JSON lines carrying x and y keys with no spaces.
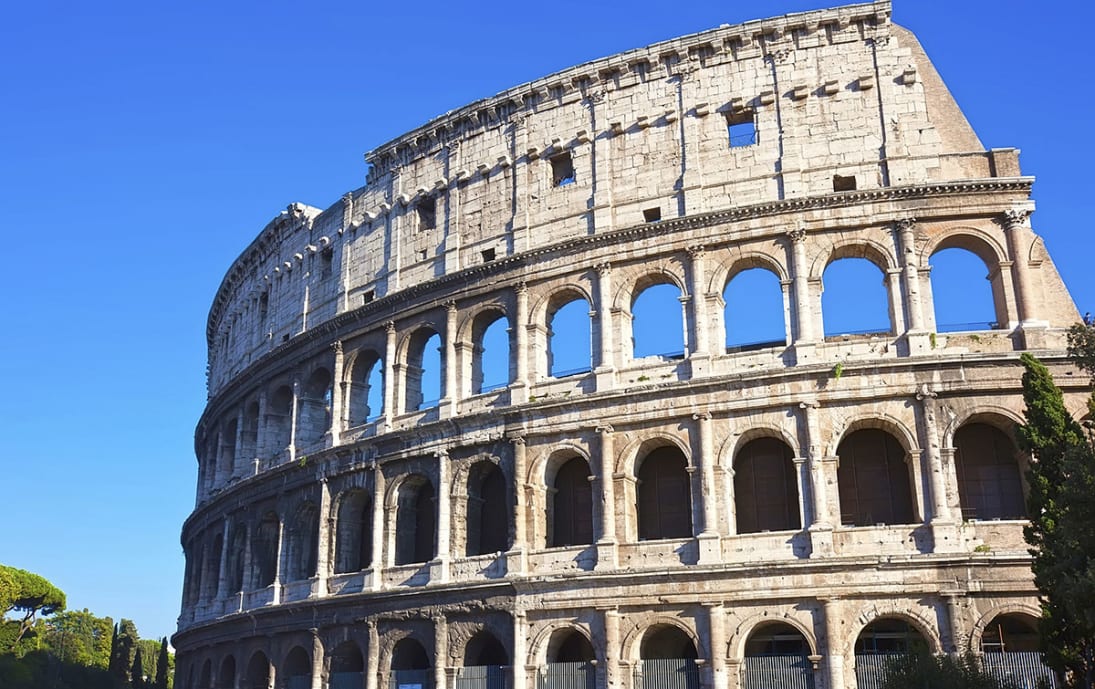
{"x":871,"y":669}
{"x":580,"y":675}
{"x":346,"y":680}
{"x":1024,"y":668}
{"x":777,"y":672}
{"x":411,"y":679}
{"x":482,"y":677}
{"x":670,"y":673}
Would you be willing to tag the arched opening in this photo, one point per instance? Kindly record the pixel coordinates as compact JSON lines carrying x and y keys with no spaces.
{"x":258,"y":672}
{"x":234,"y":566}
{"x":776,"y":655}
{"x":570,"y":664}
{"x":657,"y":323}
{"x":855,"y":298}
{"x":205,"y":677}
{"x":315,"y":408}
{"x":366,"y":393}
{"x":347,"y":669}
{"x":485,"y":664}
{"x":989,"y":483}
{"x":211,"y":575}
{"x":297,"y":670}
{"x":487,"y":518}
{"x":415,"y":522}
{"x":664,"y":495}
{"x":228,"y":450}
{"x":669,"y":659}
{"x":226,"y":678}
{"x":1010,"y":650}
{"x":279,"y":417}
{"x":963,"y":291}
{"x":249,"y":436}
{"x":264,"y":551}
{"x":410,"y":666}
{"x":753,"y":311}
{"x":878,"y":643}
{"x":571,"y":505}
{"x":765,"y":487}
{"x":423,"y":378}
{"x":353,"y":532}
{"x":303,"y":544}
{"x":491,"y":366}
{"x":569,"y":339}
{"x":873,"y":480}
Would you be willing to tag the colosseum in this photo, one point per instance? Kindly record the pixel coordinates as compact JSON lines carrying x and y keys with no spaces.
{"x":441,"y":450}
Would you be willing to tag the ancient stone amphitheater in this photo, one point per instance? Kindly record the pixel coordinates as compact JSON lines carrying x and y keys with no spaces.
{"x":374,"y":510}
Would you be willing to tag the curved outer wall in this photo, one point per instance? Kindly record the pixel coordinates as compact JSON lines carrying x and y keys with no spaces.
{"x":324,"y":524}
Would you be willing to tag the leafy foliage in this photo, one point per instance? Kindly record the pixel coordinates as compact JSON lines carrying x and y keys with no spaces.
{"x":122,"y":649}
{"x":79,"y":637}
{"x":1062,"y":523}
{"x":27,"y":595}
{"x":162,"y":663}
{"x":924,"y":671}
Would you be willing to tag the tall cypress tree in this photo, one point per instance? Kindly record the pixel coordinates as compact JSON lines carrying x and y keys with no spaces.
{"x":136,"y":674}
{"x":1062,"y":525}
{"x":161,"y":666}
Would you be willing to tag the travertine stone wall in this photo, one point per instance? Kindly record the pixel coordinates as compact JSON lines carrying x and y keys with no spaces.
{"x":325,"y":527}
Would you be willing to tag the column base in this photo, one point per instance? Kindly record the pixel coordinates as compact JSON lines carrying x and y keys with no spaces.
{"x":439,"y":570}
{"x":710,"y":551}
{"x":518,"y":392}
{"x":607,"y":556}
{"x":821,"y":541}
{"x":605,"y":377}
{"x":516,"y":561}
{"x":804,"y":352}
{"x":945,"y":537}
{"x":920,"y":341}
{"x":699,"y":365}
{"x":1035,"y":334}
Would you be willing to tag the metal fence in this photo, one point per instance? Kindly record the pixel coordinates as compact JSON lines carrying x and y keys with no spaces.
{"x":1024,"y":668}
{"x":580,"y":675}
{"x":482,"y":677}
{"x":670,"y":673}
{"x":777,"y":672}
{"x":871,"y":669}
{"x":411,"y":679}
{"x":346,"y":680}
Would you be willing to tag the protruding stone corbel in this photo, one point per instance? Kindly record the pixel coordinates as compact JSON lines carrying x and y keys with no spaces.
{"x":702,"y":109}
{"x":582,"y":136}
{"x":800,"y":92}
{"x":533,"y":152}
{"x":767,"y":97}
{"x":642,"y":122}
{"x":831,"y":87}
{"x":908,"y":77}
{"x":504,"y":161}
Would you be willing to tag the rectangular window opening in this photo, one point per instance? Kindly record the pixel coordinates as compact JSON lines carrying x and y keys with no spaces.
{"x":652,"y":214}
{"x":488,"y":255}
{"x":368,"y":297}
{"x":562,"y":170}
{"x":427,"y":213}
{"x":742,"y":128}
{"x":841,"y":183}
{"x":327,"y":258}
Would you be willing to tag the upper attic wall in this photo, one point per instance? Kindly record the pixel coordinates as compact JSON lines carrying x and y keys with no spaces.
{"x":836,"y":100}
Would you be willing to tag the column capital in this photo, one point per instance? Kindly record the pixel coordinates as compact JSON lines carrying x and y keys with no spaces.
{"x":389,"y":326}
{"x":521,"y":287}
{"x":696,"y":251}
{"x":926,"y":393}
{"x":603,"y":268}
{"x":904,"y":224}
{"x":797,"y":234}
{"x":337,"y":347}
{"x":809,"y":404}
{"x":517,"y":440}
{"x":702,"y":416}
{"x":450,"y":305}
{"x":605,"y":429}
{"x":1015,"y":218}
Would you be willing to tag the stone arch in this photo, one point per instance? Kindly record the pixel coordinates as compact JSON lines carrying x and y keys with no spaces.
{"x":362,"y":371}
{"x":631,"y":282}
{"x":985,"y":249}
{"x":555,"y":297}
{"x":296,"y":669}
{"x":735,"y":441}
{"x":302,"y":543}
{"x":542,"y":470}
{"x":226,"y":674}
{"x":875,"y":477}
{"x":628,"y":461}
{"x":314,"y":407}
{"x":415,"y":359}
{"x":483,"y":647}
{"x":353,"y":513}
{"x":414,"y":538}
{"x":878,"y":420}
{"x":471,"y":338}
{"x":735,"y":647}
{"x":1028,"y":610}
{"x":487,"y":499}
{"x":257,"y":675}
{"x":631,"y":641}
{"x":732,"y":264}
{"x":980,"y":243}
{"x":756,"y":285}
{"x":919,"y":621}
{"x":876,"y":252}
{"x":392,"y":639}
{"x":1003,"y":418}
{"x":549,"y":637}
{"x":880,"y":304}
{"x":543,"y":317}
{"x":657,"y":306}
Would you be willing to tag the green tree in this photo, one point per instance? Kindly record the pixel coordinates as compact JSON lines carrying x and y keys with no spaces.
{"x":122,"y":650}
{"x":136,"y":673}
{"x":1061,"y":533}
{"x":27,"y":595}
{"x":162,"y":663}
{"x":925,"y":671}
{"x":78,"y":636}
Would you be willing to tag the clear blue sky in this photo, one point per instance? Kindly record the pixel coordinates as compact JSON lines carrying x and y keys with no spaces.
{"x":145,"y":144}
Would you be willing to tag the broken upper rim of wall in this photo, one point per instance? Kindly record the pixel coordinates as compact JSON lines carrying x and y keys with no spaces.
{"x":750,"y":40}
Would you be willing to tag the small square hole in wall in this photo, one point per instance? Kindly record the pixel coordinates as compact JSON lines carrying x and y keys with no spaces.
{"x":488,"y":255}
{"x":652,"y":214}
{"x":368,"y":297}
{"x":741,"y":128}
{"x":422,"y":255}
{"x":841,"y":183}
{"x":562,"y":170}
{"x":427,"y":213}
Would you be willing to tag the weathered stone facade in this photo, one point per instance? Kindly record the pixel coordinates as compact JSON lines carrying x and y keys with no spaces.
{"x":823,"y":496}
